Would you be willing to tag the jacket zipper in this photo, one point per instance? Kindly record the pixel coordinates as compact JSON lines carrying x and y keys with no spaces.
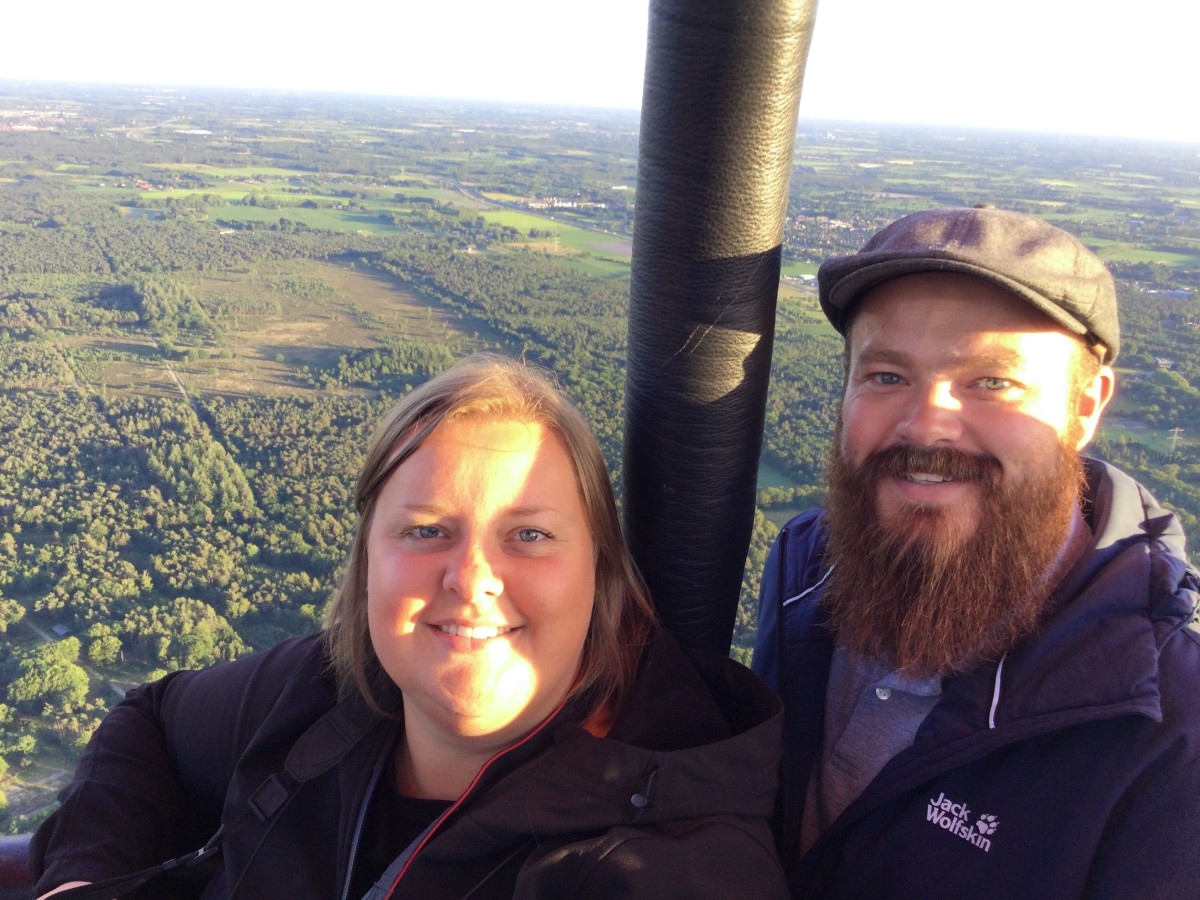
{"x":372,"y":783}
{"x":436,"y":826}
{"x":996,"y":692}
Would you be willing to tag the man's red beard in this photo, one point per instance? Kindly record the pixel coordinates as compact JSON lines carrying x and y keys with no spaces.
{"x":918,"y":594}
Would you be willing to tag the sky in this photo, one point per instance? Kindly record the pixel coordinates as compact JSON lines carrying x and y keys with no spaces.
{"x":1070,"y":66}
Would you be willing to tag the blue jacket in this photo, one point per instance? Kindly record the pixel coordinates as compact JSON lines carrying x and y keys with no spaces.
{"x":1070,"y":768}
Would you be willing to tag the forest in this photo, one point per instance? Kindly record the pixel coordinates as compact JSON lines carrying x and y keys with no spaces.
{"x":207,"y":301}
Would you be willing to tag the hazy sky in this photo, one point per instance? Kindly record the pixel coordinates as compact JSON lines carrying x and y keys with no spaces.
{"x":1081,"y":66}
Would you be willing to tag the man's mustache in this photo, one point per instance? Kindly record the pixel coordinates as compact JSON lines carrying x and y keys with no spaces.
{"x":901,"y":460}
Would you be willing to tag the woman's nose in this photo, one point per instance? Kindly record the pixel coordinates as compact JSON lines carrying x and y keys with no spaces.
{"x":471,"y":574}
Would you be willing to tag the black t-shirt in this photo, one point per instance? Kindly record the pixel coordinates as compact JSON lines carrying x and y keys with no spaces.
{"x":393,"y":822}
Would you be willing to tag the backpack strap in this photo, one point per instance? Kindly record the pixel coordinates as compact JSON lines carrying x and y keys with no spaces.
{"x":124,"y":884}
{"x":322,"y":746}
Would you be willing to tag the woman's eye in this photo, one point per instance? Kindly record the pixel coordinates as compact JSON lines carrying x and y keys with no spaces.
{"x":530,"y":535}
{"x":425,"y":532}
{"x":994,"y":383}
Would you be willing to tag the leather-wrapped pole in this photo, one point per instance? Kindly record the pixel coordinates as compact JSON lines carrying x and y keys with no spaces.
{"x":719,"y":107}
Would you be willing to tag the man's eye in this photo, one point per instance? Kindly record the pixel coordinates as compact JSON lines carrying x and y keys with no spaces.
{"x":887,"y":378}
{"x":994,"y":384}
{"x":530,"y":535}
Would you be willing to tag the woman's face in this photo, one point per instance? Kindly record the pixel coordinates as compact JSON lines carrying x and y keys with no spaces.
{"x":481,"y":578}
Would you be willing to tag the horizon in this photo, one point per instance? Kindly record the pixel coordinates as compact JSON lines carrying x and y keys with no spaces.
{"x":1061,"y":68}
{"x":16,"y":86}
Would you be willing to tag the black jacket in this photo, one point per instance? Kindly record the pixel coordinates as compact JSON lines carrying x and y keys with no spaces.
{"x":1068,"y":769}
{"x":673,"y":803}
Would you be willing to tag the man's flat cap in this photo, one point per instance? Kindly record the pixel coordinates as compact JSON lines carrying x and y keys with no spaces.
{"x":1045,"y":265}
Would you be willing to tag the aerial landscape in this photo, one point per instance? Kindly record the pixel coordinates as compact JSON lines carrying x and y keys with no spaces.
{"x":207,"y":298}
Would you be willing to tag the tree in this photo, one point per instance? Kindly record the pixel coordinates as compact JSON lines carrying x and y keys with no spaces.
{"x":50,"y":676}
{"x":11,"y":612}
{"x":105,"y":646}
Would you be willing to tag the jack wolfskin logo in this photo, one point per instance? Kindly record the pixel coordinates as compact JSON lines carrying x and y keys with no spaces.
{"x":956,"y":817}
{"x":986,"y":824}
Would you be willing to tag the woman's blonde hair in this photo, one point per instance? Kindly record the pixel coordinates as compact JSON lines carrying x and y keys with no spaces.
{"x":490,"y":386}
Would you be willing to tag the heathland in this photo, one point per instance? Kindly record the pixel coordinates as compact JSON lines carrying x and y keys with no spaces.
{"x":207,"y":299}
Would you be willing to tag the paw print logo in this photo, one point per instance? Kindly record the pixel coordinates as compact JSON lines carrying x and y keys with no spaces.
{"x":987,"y":824}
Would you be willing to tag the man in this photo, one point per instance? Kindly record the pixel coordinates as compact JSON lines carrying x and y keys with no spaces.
{"x":982,"y":641}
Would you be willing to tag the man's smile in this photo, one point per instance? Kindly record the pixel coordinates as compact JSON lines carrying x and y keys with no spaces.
{"x":927,"y":478}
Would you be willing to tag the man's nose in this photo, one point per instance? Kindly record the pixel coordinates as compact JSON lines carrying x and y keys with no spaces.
{"x":934,"y":415}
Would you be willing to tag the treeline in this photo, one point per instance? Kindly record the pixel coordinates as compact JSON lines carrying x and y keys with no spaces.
{"x":414,"y":361}
{"x":540,"y":308}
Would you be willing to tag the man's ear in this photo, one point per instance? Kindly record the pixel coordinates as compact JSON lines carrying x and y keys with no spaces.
{"x":1091,"y":402}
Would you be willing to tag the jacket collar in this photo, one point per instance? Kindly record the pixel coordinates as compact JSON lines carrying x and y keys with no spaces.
{"x":1097,"y":655}
{"x":697,"y":736}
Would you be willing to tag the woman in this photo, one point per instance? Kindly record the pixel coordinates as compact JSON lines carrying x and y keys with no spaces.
{"x":492,"y":710}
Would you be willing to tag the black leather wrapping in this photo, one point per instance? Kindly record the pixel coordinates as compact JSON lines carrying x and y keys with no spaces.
{"x":718,"y":126}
